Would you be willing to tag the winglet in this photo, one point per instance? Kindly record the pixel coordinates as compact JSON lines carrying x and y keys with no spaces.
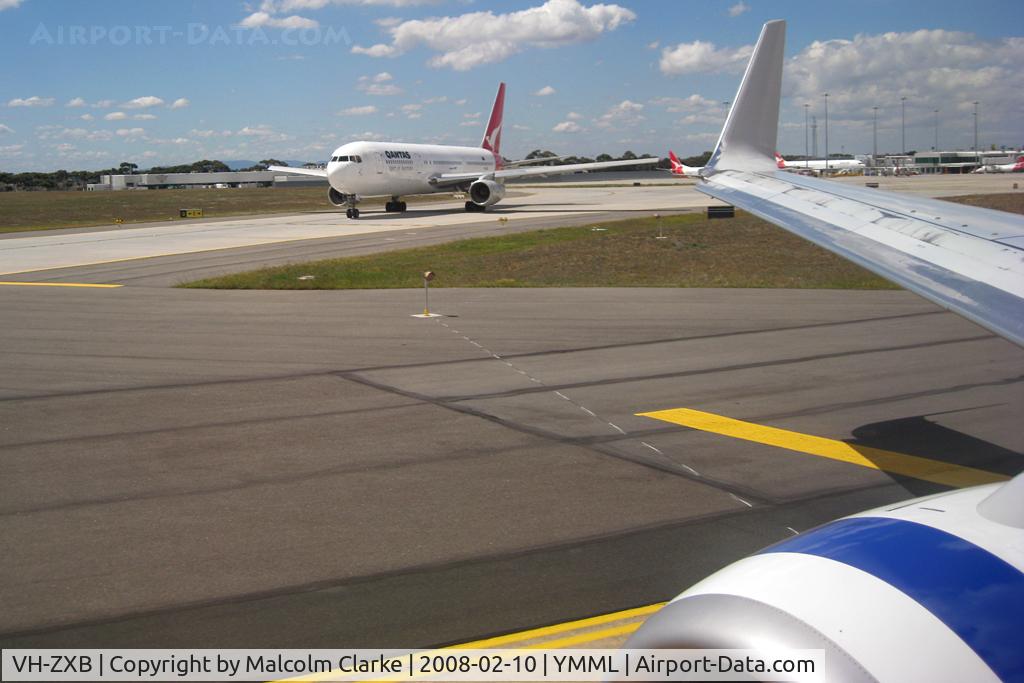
{"x":492,"y":135}
{"x":748,"y":139}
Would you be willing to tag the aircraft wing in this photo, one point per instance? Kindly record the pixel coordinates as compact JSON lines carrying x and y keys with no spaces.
{"x":966,"y":259}
{"x":318,"y":172}
{"x":528,"y":162}
{"x":963,"y":258}
{"x":446,"y":179}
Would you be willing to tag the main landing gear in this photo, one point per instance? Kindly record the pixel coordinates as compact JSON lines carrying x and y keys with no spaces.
{"x":352,"y":213}
{"x":395,"y":206}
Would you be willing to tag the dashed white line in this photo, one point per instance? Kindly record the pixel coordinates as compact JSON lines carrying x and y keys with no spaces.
{"x":795,"y":532}
{"x":588,"y":411}
{"x":560,"y":394}
{"x":652,"y":447}
{"x":747,"y":503}
{"x":617,"y":428}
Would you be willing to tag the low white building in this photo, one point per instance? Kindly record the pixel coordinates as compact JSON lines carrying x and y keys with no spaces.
{"x":161,"y":181}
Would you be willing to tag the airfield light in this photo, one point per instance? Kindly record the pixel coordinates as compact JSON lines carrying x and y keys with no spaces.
{"x":427,"y":277}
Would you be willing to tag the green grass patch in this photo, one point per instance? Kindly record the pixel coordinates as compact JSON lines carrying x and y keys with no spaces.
{"x":50,"y":210}
{"x":740,"y":252}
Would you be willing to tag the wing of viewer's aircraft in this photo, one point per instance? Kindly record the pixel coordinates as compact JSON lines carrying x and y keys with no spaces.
{"x":930,"y":589}
{"x":966,"y":259}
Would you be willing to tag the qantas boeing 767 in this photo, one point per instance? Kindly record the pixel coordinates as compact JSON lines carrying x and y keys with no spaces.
{"x":393,"y":169}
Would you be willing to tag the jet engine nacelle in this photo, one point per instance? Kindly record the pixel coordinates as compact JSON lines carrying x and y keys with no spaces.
{"x":486,"y":192}
{"x":929,"y":589}
{"x":337,"y":198}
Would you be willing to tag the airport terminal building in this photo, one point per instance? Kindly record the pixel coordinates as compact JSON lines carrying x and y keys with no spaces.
{"x":163,"y":181}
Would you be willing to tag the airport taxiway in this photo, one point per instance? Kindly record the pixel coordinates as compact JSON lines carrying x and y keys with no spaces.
{"x":319,"y":469}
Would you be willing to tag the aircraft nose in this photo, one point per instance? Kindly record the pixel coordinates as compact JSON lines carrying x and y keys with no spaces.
{"x":336,"y":176}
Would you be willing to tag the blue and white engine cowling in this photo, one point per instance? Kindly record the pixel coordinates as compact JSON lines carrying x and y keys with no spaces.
{"x":930,"y":589}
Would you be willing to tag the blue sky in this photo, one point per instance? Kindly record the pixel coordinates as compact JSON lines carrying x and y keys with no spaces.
{"x":90,"y":84}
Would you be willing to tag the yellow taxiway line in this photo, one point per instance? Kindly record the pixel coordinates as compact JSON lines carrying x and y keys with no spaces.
{"x":568,"y":634}
{"x":935,"y":471}
{"x":58,"y":284}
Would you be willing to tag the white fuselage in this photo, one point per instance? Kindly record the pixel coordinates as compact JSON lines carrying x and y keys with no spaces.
{"x":820,"y":165}
{"x":371,"y":169}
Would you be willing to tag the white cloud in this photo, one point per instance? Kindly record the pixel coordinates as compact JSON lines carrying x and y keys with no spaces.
{"x":703,"y":57}
{"x":460,"y":102}
{"x":59,"y":133}
{"x":937,"y":69}
{"x":76,"y":102}
{"x":34,"y":101}
{"x":5,"y":129}
{"x":692,"y":103}
{"x":476,"y":38}
{"x":573,"y":116}
{"x":738,"y":9}
{"x":144,"y":117}
{"x":104,"y":104}
{"x":12,"y":150}
{"x":545,"y":91}
{"x":130,"y":132}
{"x":116,"y":116}
{"x":469,"y":124}
{"x":435,"y":100}
{"x":86,"y":117}
{"x":262,"y":131}
{"x":654,"y":45}
{"x":64,"y":147}
{"x":567,"y":127}
{"x":261,"y":19}
{"x":378,"y":85}
{"x":9,"y":4}
{"x":143,"y":102}
{"x":180,"y":103}
{"x":623,"y":113}
{"x":359,"y":111}
{"x":209,"y":133}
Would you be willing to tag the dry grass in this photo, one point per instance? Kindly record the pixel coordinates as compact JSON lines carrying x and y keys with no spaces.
{"x":49,"y":210}
{"x":696,"y":252}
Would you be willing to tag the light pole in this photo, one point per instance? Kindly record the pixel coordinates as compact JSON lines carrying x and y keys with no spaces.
{"x":826,"y":134}
{"x":807,"y":149}
{"x":976,"y":155}
{"x":874,"y":134}
{"x":936,"y":148}
{"x":903,"y":125}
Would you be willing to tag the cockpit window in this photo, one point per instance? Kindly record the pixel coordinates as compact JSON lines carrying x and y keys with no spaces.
{"x":356,"y":159}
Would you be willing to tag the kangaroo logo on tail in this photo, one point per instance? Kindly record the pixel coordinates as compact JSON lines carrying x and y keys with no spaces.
{"x":677,"y":166}
{"x":492,"y":134}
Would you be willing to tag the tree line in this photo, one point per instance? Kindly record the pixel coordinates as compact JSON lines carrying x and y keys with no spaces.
{"x":77,"y":180}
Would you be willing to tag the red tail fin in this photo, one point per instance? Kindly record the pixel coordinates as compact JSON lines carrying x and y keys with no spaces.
{"x":677,"y":166}
{"x":492,"y":135}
